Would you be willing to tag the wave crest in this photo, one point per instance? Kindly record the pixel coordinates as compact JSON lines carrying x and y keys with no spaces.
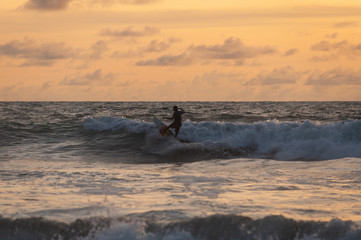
{"x":270,"y":139}
{"x":211,"y":227}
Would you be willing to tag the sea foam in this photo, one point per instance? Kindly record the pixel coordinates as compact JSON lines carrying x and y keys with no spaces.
{"x":270,"y":139}
{"x":211,"y":227}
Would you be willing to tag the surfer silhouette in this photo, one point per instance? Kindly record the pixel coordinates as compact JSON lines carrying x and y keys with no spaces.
{"x":177,"y":123}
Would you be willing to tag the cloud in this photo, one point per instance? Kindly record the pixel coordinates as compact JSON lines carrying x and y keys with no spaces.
{"x":333,"y":35}
{"x":156,"y":46}
{"x":130,"y":32}
{"x":46,"y":85}
{"x":132,"y":2}
{"x":159,"y":46}
{"x":166,"y":60}
{"x":324,"y":58}
{"x":290,"y":52}
{"x":47,"y":4}
{"x":43,"y":54}
{"x":327,"y":46}
{"x":9,"y":93}
{"x":336,"y":76}
{"x":36,"y":53}
{"x":284,"y":75}
{"x":127,"y":83}
{"x":216,"y":78}
{"x":345,"y":25}
{"x":34,"y":62}
{"x":97,"y":50}
{"x":153,"y":46}
{"x":231,"y":49}
{"x":96,"y":77}
{"x":63,"y":4}
{"x":126,"y":54}
{"x":342,"y":48}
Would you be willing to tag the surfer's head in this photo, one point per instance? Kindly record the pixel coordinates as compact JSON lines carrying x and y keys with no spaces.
{"x":175,"y":108}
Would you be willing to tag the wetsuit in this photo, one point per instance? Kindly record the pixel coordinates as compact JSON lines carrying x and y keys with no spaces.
{"x":177,"y":116}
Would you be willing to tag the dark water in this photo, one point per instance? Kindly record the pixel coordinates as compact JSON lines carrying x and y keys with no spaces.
{"x":255,"y":170}
{"x":120,"y":131}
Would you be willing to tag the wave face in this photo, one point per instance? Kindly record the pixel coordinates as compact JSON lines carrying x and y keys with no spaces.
{"x":271,"y":139}
{"x":121,"y":131}
{"x":212,"y":227}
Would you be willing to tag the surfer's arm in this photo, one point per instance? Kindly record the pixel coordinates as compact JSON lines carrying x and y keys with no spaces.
{"x":170,"y":118}
{"x":173,"y":116}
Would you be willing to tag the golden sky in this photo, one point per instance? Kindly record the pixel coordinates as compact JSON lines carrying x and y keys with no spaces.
{"x":180,"y":50}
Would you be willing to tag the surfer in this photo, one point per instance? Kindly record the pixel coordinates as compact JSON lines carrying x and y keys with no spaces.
{"x":177,"y":123}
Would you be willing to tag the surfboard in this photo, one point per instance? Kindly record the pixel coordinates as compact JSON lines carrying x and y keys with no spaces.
{"x":161,"y":127}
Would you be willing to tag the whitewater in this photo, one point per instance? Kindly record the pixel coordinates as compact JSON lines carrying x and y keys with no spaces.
{"x":253,"y":170}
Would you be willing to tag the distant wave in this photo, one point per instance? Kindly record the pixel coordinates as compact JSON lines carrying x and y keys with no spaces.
{"x":270,"y":139}
{"x":208,"y":228}
{"x":117,"y":123}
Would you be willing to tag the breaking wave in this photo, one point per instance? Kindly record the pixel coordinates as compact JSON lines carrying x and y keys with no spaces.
{"x":270,"y":139}
{"x":212,"y":227}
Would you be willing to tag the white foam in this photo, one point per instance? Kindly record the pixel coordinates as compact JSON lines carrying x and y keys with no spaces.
{"x":279,"y":140}
{"x":136,"y":231}
{"x":307,"y":140}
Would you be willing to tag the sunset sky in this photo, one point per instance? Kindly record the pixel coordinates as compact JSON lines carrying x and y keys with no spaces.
{"x":180,"y":50}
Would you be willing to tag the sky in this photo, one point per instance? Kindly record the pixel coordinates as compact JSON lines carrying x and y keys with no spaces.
{"x":180,"y":50}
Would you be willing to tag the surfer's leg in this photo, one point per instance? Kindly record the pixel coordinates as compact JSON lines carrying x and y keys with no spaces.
{"x":176,"y":131}
{"x":166,"y":129}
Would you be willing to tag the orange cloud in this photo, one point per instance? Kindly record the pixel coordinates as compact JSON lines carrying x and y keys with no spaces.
{"x":345,"y":25}
{"x":290,"y":52}
{"x":231,"y":49}
{"x":324,"y":58}
{"x":283,"y":75}
{"x":36,"y":53}
{"x":98,"y":49}
{"x":167,"y":60}
{"x":336,"y":76}
{"x":47,"y":4}
{"x":63,"y":4}
{"x":96,"y":77}
{"x":327,"y":46}
{"x":342,"y":48}
{"x":42,"y":54}
{"x":159,"y":46}
{"x":153,"y":46}
{"x":133,"y":2}
{"x":130,"y":32}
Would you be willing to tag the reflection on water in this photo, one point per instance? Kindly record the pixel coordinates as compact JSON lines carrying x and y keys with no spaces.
{"x":249,"y":187}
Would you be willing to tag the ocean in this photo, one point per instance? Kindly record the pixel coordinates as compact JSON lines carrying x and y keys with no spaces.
{"x":238,"y":170}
